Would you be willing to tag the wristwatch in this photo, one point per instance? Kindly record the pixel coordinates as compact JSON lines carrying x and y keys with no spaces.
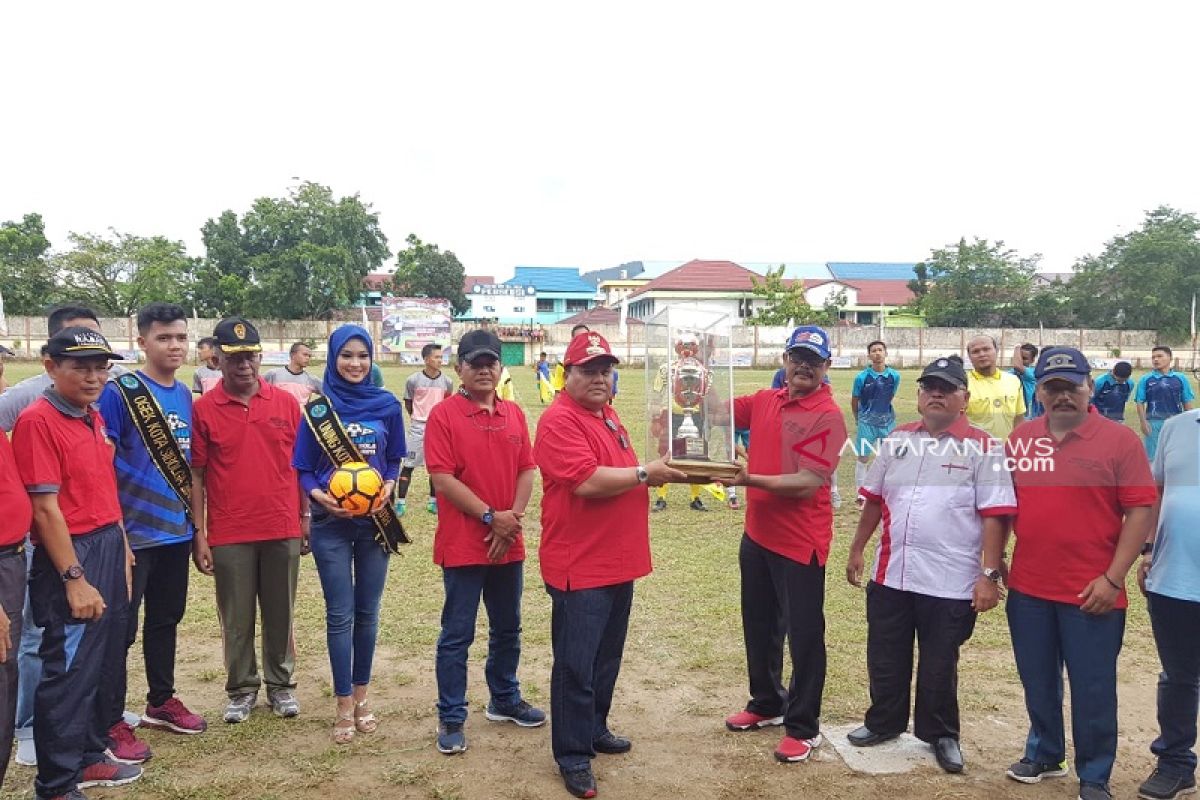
{"x":642,"y":474}
{"x":992,"y":575}
{"x":1147,"y":548}
{"x":488,"y":515}
{"x":72,"y":573}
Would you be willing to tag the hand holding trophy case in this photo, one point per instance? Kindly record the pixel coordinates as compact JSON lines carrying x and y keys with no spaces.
{"x":689,"y":392}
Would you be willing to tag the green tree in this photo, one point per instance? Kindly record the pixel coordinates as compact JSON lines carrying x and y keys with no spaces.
{"x":1143,"y":279}
{"x":424,"y":270}
{"x":977,"y":283}
{"x":120,"y":273}
{"x":300,"y":256}
{"x":783,"y":300}
{"x":26,"y":275}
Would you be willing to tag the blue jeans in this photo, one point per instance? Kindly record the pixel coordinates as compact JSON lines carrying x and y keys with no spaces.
{"x":1176,"y":626}
{"x":1045,"y":636}
{"x":501,"y":586}
{"x":353,"y":570}
{"x":587,"y":632}
{"x":29,"y":663}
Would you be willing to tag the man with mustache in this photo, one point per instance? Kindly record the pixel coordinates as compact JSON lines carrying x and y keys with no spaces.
{"x":946,"y":497}
{"x":798,"y":433}
{"x":1084,"y":497}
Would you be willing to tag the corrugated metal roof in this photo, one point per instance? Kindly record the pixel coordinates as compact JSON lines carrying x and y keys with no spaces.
{"x":867,"y":270}
{"x":791,"y":269}
{"x":550,"y":279}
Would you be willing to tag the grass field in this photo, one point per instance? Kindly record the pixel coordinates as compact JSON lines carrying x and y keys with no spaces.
{"x":684,"y":670}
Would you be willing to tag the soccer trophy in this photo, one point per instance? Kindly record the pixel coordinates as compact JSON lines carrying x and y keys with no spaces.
{"x":688,"y":367}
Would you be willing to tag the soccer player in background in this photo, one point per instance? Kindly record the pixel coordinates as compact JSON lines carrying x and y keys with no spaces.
{"x":1112,"y":391}
{"x":207,"y":375}
{"x":997,"y":401}
{"x":1161,"y":395}
{"x":871,"y":401}
{"x":422,"y":391}
{"x":293,"y":378}
{"x":1023,"y":358}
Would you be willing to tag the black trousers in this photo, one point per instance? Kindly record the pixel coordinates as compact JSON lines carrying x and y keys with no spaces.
{"x":70,"y":720}
{"x":160,"y":578}
{"x":940,"y":626}
{"x":12,"y":598}
{"x":781,"y":596}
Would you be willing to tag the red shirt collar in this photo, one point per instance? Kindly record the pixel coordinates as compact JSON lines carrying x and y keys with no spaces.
{"x":1091,"y":425}
{"x":265,"y":390}
{"x":823,"y":393}
{"x":470,"y":409}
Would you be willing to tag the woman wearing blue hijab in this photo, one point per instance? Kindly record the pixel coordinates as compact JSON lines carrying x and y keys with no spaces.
{"x":351,"y":564}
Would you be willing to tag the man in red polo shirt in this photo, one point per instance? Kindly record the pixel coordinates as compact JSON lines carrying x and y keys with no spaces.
{"x":595,"y":543}
{"x":81,"y":565}
{"x":250,"y":516}
{"x":1084,"y":498}
{"x":14,"y":523}
{"x":480,"y":460}
{"x":789,"y":525}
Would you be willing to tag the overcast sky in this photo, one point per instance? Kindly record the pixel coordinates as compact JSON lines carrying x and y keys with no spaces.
{"x":544,"y":133}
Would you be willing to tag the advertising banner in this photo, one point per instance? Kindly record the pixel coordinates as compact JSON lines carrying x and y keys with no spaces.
{"x":410,"y":323}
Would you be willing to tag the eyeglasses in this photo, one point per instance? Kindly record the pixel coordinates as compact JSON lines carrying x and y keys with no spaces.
{"x":612,"y":426}
{"x":805,"y":357}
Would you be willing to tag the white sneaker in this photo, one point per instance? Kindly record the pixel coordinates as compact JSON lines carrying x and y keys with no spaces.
{"x":835,"y":498}
{"x":26,"y":753}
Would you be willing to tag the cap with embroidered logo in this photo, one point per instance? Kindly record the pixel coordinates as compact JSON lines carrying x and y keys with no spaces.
{"x":809,"y":337}
{"x":237,"y":335}
{"x":949,"y":370}
{"x":79,"y":342}
{"x":1062,"y":363}
{"x":588,"y":346}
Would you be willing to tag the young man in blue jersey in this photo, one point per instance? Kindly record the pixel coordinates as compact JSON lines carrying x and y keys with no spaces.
{"x":156,"y":521}
{"x":1161,"y":395}
{"x":1112,"y":391}
{"x":1023,"y":358}
{"x":871,"y":401}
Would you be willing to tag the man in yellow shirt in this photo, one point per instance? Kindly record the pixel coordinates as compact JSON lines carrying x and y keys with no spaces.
{"x":997,"y":401}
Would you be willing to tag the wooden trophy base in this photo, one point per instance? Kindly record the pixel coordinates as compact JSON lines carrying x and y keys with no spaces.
{"x":703,"y":470}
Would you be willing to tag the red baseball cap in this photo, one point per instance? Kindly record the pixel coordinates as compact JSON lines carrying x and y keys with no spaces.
{"x":588,"y":346}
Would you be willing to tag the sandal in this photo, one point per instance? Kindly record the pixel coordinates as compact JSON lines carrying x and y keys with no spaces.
{"x":364,"y":720}
{"x":344,"y":734}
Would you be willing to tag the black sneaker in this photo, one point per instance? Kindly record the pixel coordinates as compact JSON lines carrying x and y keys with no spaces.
{"x":1027,"y":771}
{"x":697,"y":505}
{"x":522,"y":713}
{"x":1094,"y":791}
{"x":579,"y":782}
{"x":659,"y":505}
{"x":1161,"y":786}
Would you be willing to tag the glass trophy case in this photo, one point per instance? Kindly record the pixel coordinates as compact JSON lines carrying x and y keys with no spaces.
{"x":689,"y":391}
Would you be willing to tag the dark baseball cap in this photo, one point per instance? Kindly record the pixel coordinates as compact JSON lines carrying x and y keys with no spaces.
{"x":1062,"y":363}
{"x":809,"y":337}
{"x":949,"y":370}
{"x":79,"y":342}
{"x":474,"y":344}
{"x":237,"y":335}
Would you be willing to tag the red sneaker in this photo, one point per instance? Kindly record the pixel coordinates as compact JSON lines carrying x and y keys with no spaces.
{"x":749,"y":721}
{"x":175,"y":717}
{"x":108,"y":773}
{"x":791,"y":750}
{"x":124,"y":747}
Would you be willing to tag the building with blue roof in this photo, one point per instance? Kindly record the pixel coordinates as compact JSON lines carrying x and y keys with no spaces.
{"x":561,"y":292}
{"x":871,"y":271}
